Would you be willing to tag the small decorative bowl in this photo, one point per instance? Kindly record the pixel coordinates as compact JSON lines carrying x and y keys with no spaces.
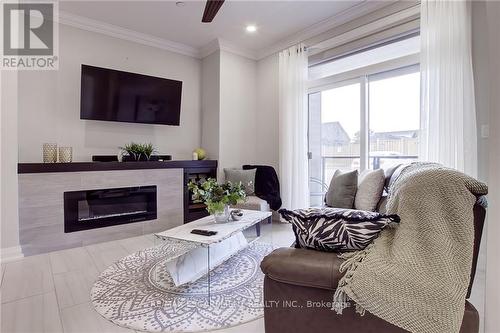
{"x":236,"y":214}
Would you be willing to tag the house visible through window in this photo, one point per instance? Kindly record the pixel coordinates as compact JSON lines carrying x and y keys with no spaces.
{"x":368,"y":121}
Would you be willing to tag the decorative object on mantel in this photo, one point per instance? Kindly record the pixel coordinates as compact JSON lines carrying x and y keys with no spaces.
{"x":65,"y":154}
{"x":49,"y":152}
{"x":195,"y":156}
{"x":201,"y":154}
{"x":236,"y":214}
{"x":128,"y":295}
{"x":137,"y":152}
{"x":218,"y":197}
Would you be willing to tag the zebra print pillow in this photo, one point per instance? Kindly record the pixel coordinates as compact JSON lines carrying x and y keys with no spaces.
{"x":336,"y":229}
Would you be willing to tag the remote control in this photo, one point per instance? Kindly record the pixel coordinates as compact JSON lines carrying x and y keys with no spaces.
{"x":203,"y":232}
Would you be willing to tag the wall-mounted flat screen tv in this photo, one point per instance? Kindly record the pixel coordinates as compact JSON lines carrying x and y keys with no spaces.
{"x":112,"y":95}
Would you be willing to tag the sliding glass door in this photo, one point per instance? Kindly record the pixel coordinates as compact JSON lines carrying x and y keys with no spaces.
{"x":334,"y":126}
{"x":369,"y":122}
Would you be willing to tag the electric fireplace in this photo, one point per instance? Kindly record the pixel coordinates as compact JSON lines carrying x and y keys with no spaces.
{"x":90,"y":209}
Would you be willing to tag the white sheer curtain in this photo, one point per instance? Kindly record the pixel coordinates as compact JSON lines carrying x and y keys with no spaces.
{"x":293,"y":127}
{"x":448,"y":119}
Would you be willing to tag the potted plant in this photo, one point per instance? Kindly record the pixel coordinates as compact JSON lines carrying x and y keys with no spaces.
{"x":137,"y":151}
{"x":217,"y":197}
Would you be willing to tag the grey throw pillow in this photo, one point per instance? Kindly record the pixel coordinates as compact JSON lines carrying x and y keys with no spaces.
{"x":370,"y":188}
{"x":246,"y":177}
{"x":388,"y":175}
{"x":342,"y":190}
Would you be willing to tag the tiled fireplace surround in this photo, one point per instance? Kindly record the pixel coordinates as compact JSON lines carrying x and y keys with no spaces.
{"x":41,"y":206}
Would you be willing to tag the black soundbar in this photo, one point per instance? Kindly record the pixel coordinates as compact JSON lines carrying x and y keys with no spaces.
{"x":104,"y":158}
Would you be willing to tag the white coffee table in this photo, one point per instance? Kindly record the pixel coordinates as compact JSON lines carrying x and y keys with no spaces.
{"x":193,"y":256}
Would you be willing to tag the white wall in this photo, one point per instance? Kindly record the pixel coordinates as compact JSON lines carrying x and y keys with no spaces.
{"x":480,"y":64}
{"x":486,"y":63}
{"x":9,"y":240}
{"x":49,"y":101}
{"x":239,"y":110}
{"x":493,"y":245}
{"x":238,"y":104}
{"x":210,"y":104}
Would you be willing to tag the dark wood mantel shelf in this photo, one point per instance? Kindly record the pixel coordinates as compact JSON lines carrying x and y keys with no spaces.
{"x":108,"y":166}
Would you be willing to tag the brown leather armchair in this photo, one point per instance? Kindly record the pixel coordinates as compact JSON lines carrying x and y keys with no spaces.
{"x":299,"y":286}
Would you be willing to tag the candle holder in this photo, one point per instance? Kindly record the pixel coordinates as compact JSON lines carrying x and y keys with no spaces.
{"x":65,"y":154}
{"x":49,"y":152}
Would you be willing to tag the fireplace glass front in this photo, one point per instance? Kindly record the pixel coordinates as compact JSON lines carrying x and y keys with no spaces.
{"x":90,"y":209}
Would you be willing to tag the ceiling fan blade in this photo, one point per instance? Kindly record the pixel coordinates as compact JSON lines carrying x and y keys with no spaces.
{"x":211,"y":9}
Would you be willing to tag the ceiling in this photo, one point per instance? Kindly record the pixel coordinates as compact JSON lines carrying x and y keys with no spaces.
{"x":275,"y":20}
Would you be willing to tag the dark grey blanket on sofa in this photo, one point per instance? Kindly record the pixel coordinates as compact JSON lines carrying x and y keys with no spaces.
{"x":267,"y":185}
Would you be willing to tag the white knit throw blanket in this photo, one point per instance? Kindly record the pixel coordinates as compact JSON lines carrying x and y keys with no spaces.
{"x":416,"y":275}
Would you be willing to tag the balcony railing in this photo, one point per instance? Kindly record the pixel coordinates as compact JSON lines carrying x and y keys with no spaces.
{"x":319,"y":183}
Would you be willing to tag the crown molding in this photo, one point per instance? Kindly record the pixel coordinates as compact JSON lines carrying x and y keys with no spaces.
{"x":227,"y":46}
{"x":209,"y":48}
{"x":316,"y":29}
{"x":224,"y":45}
{"x":88,"y":24}
{"x":85,"y":23}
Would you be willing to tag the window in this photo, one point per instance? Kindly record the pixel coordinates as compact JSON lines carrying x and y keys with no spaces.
{"x":368,"y":121}
{"x":394,"y":119}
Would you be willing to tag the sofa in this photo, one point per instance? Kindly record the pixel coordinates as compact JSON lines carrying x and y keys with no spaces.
{"x":267,"y":192}
{"x":299,"y":285}
{"x":253,"y":202}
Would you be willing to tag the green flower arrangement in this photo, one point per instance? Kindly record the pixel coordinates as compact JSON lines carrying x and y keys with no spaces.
{"x":216,"y":196}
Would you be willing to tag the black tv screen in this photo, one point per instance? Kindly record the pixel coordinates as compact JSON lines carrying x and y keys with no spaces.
{"x":113,"y":95}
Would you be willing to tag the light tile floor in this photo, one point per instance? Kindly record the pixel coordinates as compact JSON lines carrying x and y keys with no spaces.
{"x":50,"y":292}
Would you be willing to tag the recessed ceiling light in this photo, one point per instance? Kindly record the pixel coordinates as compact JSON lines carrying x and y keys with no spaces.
{"x":251,"y":28}
{"x":180,"y":4}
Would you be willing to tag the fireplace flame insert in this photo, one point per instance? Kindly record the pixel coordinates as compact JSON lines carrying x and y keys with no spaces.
{"x":90,"y":209}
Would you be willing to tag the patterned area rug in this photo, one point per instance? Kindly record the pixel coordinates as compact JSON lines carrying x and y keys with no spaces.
{"x":132,"y":294}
